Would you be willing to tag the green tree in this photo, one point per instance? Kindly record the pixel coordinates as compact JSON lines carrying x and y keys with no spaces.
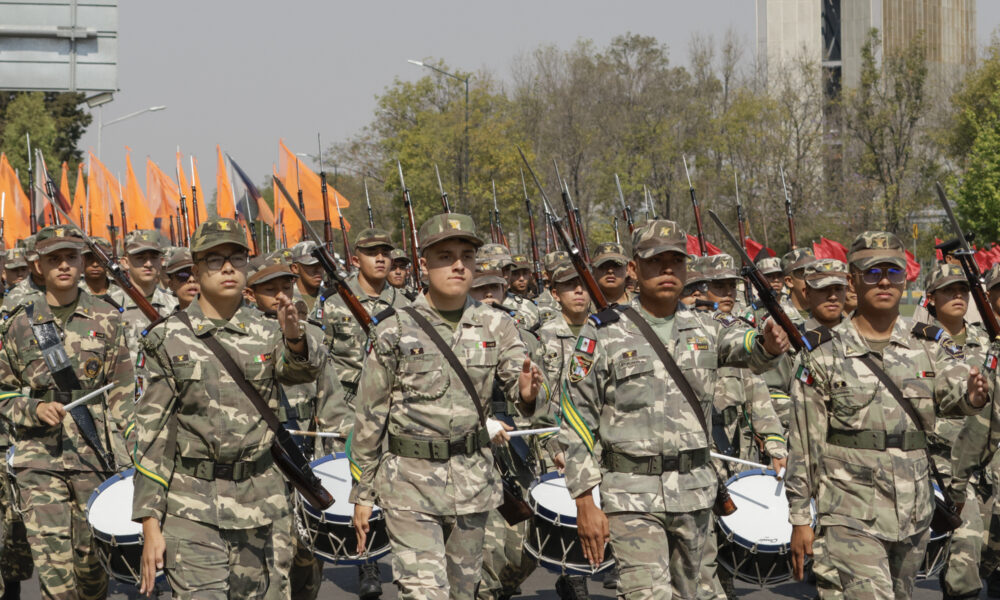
{"x":36,"y":109}
{"x":974,"y":95}
{"x":979,"y":190}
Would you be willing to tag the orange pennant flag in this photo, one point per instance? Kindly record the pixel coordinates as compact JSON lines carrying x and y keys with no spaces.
{"x":64,"y":181}
{"x":224,"y":204}
{"x":103,"y":198}
{"x":136,"y":210}
{"x":15,"y":225}
{"x":162,"y":194}
{"x":286,"y":216}
{"x":16,"y":197}
{"x":312,"y":189}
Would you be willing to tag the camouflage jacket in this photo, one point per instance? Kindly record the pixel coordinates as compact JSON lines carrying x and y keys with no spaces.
{"x":619,"y":396}
{"x":25,"y":291}
{"x":162,"y":300}
{"x":190,"y":408}
{"x":407,"y":388}
{"x":947,"y":429}
{"x":883,"y":493}
{"x":525,"y":308}
{"x":344,"y":335}
{"x":93,"y":338}
{"x":559,"y":342}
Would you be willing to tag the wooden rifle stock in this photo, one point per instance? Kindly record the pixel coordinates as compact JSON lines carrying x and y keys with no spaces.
{"x":536,"y":263}
{"x":702,"y":247}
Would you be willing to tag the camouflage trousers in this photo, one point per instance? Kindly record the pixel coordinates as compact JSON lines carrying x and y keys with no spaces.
{"x":296,"y":573}
{"x":15,"y":552}
{"x":54,"y":505}
{"x":827,"y":579}
{"x":965,"y":549}
{"x":435,"y":557}
{"x":659,"y":554}
{"x":202,"y":561}
{"x":709,"y":573}
{"x":506,"y":564}
{"x":874,"y":569}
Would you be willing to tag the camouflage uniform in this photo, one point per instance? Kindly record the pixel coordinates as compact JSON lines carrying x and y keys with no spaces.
{"x":56,"y":468}
{"x":202,"y":452}
{"x":873,"y":494}
{"x":657,"y":484}
{"x":408,"y":290}
{"x":436,"y":509}
{"x":548,"y":307}
{"x":301,"y":253}
{"x":142,"y":240}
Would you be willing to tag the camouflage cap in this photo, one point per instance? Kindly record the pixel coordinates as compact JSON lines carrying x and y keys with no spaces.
{"x":28,"y":244}
{"x":564,"y":271}
{"x":448,"y":226}
{"x":874,"y":247}
{"x":658,"y":236}
{"x":825,"y":272}
{"x":176,"y":260}
{"x":797,"y":259}
{"x":102,"y":243}
{"x":14,"y":259}
{"x":487,"y":274}
{"x":398,"y":254}
{"x":142,"y":240}
{"x":372,"y":238}
{"x":770,"y":265}
{"x":283,"y":253}
{"x":609,"y":251}
{"x":217,"y":232}
{"x":719,"y":267}
{"x":521,"y":261}
{"x":696,"y":267}
{"x":266,"y":268}
{"x":992,"y":277}
{"x":495,"y":252}
{"x":58,"y":237}
{"x":944,"y":275}
{"x":303,"y":252}
{"x":551,"y":260}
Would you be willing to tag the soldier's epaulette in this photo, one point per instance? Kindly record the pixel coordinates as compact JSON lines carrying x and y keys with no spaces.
{"x":817,"y":337}
{"x":148,"y":328}
{"x":606,"y":317}
{"x":924,"y":331}
{"x":510,"y":313}
{"x":411,"y":296}
{"x":316,"y":323}
{"x":7,"y":317}
{"x":383,"y":315}
{"x":107,"y":298}
{"x":727,"y":320}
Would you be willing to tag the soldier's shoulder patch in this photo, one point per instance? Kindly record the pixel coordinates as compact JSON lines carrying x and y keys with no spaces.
{"x":951,"y":348}
{"x":927,"y":332}
{"x":725,"y":319}
{"x":817,"y":337}
{"x":586,"y":345}
{"x":580,"y":368}
{"x":606,"y":317}
{"x":803,"y":375}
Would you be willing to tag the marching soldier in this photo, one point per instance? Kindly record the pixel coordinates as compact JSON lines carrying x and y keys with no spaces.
{"x":770,"y":268}
{"x":610,"y":269}
{"x":143,"y":260}
{"x":206,"y":490}
{"x":548,"y":307}
{"x":398,"y":273}
{"x":794,"y":265}
{"x":94,"y":276}
{"x":180,"y":278}
{"x":520,"y":279}
{"x":15,"y":268}
{"x":854,"y":449}
{"x":59,"y":344}
{"x":27,"y":288}
{"x":429,"y":372}
{"x":310,"y":273}
{"x":499,"y":255}
{"x":656,"y":482}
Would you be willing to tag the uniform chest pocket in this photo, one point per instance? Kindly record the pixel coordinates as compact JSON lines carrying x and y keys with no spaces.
{"x":481,"y":355}
{"x":847,"y":403}
{"x":343,"y":329}
{"x":635,"y":383}
{"x":422,"y":377}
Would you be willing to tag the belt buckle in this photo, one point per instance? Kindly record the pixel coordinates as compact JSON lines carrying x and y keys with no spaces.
{"x":223,"y":471}
{"x":651,"y":467}
{"x":893,"y":440}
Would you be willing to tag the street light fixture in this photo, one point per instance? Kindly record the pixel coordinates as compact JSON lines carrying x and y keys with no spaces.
{"x":101,"y":124}
{"x":463,"y":181}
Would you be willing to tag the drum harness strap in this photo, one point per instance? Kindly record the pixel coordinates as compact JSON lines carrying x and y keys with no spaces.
{"x":49,"y":341}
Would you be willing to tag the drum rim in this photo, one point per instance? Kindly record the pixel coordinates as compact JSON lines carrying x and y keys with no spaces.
{"x":322,"y":514}
{"x":132,"y":538}
{"x":547,"y":513}
{"x":570,"y":568}
{"x":749,"y":544}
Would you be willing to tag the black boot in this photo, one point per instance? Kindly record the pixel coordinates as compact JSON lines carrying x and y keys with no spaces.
{"x":369,"y":585}
{"x":11,"y":589}
{"x":572,"y":587}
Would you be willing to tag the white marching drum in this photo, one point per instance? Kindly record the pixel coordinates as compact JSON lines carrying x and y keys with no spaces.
{"x":117,"y":539}
{"x":330,"y":533}
{"x":553,"y":538}
{"x":754,"y":541}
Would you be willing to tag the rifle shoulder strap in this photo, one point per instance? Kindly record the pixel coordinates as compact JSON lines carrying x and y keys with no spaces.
{"x":911,"y":412}
{"x":449,"y":355}
{"x":670,"y":364}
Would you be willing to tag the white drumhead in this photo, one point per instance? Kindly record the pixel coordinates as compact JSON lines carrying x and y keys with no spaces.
{"x":761,"y":510}
{"x":111,"y":512}
{"x":552,"y":494}
{"x":336,"y":477}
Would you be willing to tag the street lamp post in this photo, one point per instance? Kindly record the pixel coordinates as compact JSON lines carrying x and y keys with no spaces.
{"x":463,"y":181}
{"x":101,"y":124}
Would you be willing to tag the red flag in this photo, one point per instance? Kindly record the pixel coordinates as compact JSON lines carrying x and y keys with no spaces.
{"x":937,"y":253}
{"x":830,"y":249}
{"x":695,"y":249}
{"x":912,"y":267}
{"x":754,"y":248}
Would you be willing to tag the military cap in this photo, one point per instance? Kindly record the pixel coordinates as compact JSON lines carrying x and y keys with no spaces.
{"x":487,"y":274}
{"x":284,"y":253}
{"x":696,"y":270}
{"x":825,"y":272}
{"x":142,"y":240}
{"x":398,"y":254}
{"x":564,"y":271}
{"x":217,"y":232}
{"x":797,"y":259}
{"x":944,"y":275}
{"x":448,"y":226}
{"x":102,"y":243}
{"x":874,"y":247}
{"x":521,"y":261}
{"x":657,"y":236}
{"x":992,"y":277}
{"x":58,"y":237}
{"x":28,"y":244}
{"x":495,"y":252}
{"x":719,"y":267}
{"x":372,"y":238}
{"x":769,"y":265}
{"x":177,"y":260}
{"x":266,"y":268}
{"x":302,"y":252}
{"x":14,"y":259}
{"x":551,"y":260}
{"x":609,"y":251}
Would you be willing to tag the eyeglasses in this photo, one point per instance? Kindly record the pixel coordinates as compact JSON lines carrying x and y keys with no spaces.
{"x":696,"y":287}
{"x":215,"y":262}
{"x":874,"y":275}
{"x":182,"y":276}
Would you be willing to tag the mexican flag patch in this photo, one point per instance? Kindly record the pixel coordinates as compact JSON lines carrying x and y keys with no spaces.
{"x":262,"y":358}
{"x":140,"y":361}
{"x":586,"y":345}
{"x":804,"y":375}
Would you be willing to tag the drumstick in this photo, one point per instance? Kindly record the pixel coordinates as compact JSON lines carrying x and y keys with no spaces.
{"x":83,"y":399}
{"x":319,"y":434}
{"x":524,"y":432}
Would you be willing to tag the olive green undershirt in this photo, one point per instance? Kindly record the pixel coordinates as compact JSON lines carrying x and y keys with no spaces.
{"x":62,"y":313}
{"x":575,"y":329}
{"x":664,"y":327}
{"x":961,"y":338}
{"x":451,"y":317}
